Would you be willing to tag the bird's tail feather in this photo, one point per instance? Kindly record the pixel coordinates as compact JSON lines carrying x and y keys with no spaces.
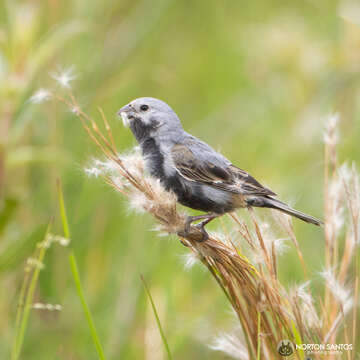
{"x":272,"y":203}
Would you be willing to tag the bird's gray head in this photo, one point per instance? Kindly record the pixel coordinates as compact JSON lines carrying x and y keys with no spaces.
{"x":148,"y":116}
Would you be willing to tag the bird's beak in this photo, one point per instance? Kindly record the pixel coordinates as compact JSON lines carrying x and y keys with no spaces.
{"x":127,"y":113}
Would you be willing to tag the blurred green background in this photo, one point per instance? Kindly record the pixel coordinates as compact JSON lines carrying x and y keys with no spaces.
{"x":255,"y":79}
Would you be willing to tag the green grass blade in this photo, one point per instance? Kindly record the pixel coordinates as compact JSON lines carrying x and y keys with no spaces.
{"x":298,"y":340}
{"x":63,"y":215}
{"x":23,"y":313}
{"x":76,"y":277}
{"x":258,"y":336}
{"x":157,"y":318}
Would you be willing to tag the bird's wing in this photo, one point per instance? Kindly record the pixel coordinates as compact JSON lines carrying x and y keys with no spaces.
{"x":196,"y":161}
{"x":249,"y":184}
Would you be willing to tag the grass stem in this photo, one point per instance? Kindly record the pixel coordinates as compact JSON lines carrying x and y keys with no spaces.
{"x":76,"y":277}
{"x":24,"y":308}
{"x":259,"y":337}
{"x":163,"y":337}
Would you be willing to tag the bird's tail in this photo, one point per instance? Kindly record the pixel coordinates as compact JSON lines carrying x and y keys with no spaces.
{"x":272,"y":203}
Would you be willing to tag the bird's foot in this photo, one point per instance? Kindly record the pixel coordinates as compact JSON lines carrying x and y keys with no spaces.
{"x":204,"y":233}
{"x":197,"y":232}
{"x":194,"y":233}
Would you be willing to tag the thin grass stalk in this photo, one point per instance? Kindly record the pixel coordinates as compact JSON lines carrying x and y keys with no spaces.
{"x":330,"y":173}
{"x":108,"y":129}
{"x":356,"y":298}
{"x":88,"y":315}
{"x":232,"y":299}
{"x":29,"y":297}
{"x":259,"y":337}
{"x":327,"y":218}
{"x":20,"y":306}
{"x":76,"y":277}
{"x":354,"y":322}
{"x":287,"y":225}
{"x":158,"y":322}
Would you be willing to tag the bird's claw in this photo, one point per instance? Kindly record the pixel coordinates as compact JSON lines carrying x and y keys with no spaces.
{"x":196,"y":232}
{"x":205,"y":235}
{"x":199,"y":235}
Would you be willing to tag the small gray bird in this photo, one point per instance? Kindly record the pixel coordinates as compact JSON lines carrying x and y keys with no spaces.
{"x":201,"y":178}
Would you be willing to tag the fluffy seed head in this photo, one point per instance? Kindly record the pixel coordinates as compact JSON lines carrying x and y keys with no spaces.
{"x":93,"y":171}
{"x":339,"y":292}
{"x":49,"y":307}
{"x":331,"y":135}
{"x":231,"y":345}
{"x":40,"y":96}
{"x":309,"y":313}
{"x":190,"y":259}
{"x":64,"y":77}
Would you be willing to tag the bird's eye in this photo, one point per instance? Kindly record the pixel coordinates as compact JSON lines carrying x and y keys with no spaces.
{"x":144,"y":107}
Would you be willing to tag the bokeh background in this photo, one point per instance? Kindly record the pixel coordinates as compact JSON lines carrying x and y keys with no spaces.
{"x":255,"y":79}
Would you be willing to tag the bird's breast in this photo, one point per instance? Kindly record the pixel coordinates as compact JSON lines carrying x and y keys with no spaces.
{"x":196,"y":195}
{"x":154,"y":158}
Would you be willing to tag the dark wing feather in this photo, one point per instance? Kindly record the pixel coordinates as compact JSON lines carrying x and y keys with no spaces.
{"x":226,"y":177}
{"x":249,"y":184}
{"x":194,"y":169}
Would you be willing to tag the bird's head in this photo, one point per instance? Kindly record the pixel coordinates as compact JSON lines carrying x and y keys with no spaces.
{"x":148,"y":116}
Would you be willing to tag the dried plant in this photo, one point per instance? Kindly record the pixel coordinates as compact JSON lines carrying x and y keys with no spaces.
{"x":266,"y":310}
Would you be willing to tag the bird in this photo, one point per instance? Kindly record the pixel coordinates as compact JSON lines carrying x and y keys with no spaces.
{"x":199,"y":176}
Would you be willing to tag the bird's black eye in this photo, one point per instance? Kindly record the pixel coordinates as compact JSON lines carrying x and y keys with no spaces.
{"x":144,"y":107}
